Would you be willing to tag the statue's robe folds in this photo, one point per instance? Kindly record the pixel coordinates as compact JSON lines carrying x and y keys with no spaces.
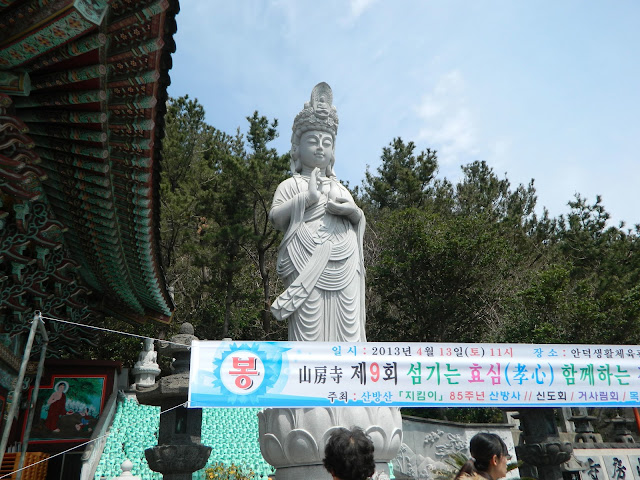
{"x":321,"y":264}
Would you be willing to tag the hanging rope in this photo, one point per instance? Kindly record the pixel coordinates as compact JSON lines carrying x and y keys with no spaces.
{"x":106,"y":434}
{"x":82,"y":445}
{"x":109,"y":330}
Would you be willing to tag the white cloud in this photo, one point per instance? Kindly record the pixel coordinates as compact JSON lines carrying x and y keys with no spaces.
{"x":359,"y":6}
{"x":447,"y":122}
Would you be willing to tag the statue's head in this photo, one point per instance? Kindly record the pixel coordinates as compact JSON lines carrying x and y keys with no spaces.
{"x":148,"y":343}
{"x":318,"y":114}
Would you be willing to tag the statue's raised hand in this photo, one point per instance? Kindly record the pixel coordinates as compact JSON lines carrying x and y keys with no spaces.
{"x":315,"y":187}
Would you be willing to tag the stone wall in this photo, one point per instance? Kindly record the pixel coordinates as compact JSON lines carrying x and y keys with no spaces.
{"x":427,"y":443}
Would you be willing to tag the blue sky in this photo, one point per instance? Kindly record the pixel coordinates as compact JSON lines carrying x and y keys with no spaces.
{"x":546,"y":89}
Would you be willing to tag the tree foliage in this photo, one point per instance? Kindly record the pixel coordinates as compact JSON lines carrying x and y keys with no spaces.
{"x":473,"y":262}
{"x":218,"y":245}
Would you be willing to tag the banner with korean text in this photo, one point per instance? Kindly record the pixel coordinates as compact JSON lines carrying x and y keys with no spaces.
{"x":319,"y":374}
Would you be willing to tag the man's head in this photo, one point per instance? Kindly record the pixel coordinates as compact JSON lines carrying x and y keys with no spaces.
{"x":349,"y":455}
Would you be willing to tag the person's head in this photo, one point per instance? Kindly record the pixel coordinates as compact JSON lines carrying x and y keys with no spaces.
{"x":489,"y":457}
{"x":62,"y":387}
{"x":349,"y":455}
{"x":318,"y":118}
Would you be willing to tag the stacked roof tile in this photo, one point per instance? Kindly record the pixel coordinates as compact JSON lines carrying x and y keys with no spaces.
{"x":81,"y":119}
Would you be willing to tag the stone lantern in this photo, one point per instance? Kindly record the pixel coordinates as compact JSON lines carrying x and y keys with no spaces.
{"x":179,"y":452}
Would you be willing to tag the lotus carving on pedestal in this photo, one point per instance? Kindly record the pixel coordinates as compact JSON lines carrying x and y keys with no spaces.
{"x":297,"y":436}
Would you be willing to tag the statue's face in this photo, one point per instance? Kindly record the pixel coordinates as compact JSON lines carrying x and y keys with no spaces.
{"x":315,"y":149}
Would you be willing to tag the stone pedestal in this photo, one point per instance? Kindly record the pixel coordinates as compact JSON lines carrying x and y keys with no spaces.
{"x":293,"y":439}
{"x":145,"y":375}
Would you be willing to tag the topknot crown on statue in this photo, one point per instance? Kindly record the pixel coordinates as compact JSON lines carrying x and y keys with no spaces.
{"x":318,"y":113}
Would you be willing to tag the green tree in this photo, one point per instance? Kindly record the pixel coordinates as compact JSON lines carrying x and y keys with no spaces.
{"x":217,"y":241}
{"x":403,"y":179}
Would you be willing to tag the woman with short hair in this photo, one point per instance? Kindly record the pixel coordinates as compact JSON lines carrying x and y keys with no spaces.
{"x":349,"y":455}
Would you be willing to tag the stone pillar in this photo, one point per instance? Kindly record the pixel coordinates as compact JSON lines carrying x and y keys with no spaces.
{"x":541,"y":446}
{"x":126,"y":468}
{"x":585,"y":432}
